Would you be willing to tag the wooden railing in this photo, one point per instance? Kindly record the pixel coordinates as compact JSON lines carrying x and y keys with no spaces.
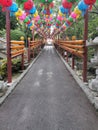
{"x":76,"y":48}
{"x":17,"y":49}
{"x":32,"y":46}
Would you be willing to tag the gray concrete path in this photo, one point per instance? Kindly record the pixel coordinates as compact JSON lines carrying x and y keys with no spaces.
{"x":48,"y":98}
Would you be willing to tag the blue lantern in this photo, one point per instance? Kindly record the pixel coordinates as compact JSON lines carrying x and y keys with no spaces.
{"x":83,"y":7}
{"x":33,"y":10}
{"x":13,"y":7}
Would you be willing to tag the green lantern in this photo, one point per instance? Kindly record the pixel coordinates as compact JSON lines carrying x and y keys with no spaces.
{"x":26,"y":20}
{"x":46,"y":1}
{"x":70,"y":19}
{"x":50,"y":1}
{"x":39,"y":21}
{"x":22,"y":1}
{"x":58,"y":21}
{"x":43,"y":1}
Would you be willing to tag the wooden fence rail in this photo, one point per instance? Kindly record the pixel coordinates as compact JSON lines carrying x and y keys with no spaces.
{"x":16,"y":49}
{"x":76,"y":48}
{"x":32,"y":45}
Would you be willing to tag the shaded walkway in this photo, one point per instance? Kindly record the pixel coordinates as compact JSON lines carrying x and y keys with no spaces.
{"x":48,"y":98}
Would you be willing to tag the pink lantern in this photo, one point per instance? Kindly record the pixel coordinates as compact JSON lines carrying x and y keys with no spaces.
{"x":50,"y":18}
{"x":60,"y":18}
{"x":23,"y":16}
{"x":73,"y":15}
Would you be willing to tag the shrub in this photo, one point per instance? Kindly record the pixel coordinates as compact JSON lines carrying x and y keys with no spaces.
{"x":3,"y":33}
{"x":16,"y":34}
{"x":3,"y":69}
{"x":16,"y":66}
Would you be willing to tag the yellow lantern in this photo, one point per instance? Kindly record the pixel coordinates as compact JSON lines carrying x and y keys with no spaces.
{"x":19,"y":13}
{"x":77,"y":11}
{"x":22,"y":38}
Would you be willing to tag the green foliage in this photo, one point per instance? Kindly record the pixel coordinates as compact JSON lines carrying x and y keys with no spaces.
{"x":14,"y":22}
{"x":2,"y":19}
{"x":16,"y":34}
{"x":3,"y":69}
{"x":36,"y":36}
{"x":90,"y":53}
{"x":92,"y":25}
{"x":16,"y":66}
{"x":3,"y":33}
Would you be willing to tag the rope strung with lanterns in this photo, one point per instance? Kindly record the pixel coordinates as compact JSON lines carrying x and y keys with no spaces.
{"x":78,"y":11}
{"x":23,"y":15}
{"x":64,"y":11}
{"x":28,"y":14}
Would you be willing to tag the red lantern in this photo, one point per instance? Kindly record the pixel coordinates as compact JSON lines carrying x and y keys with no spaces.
{"x":68,"y":22}
{"x":28,"y":5}
{"x":89,"y":2}
{"x":0,"y":2}
{"x":41,"y":5}
{"x":28,"y":22}
{"x":57,"y":24}
{"x":66,"y":4}
{"x":6,"y":3}
{"x":47,"y":11}
{"x":51,"y":5}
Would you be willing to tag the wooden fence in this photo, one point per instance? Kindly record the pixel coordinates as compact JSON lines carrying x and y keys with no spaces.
{"x":32,"y":46}
{"x":17,"y":49}
{"x":76,"y":48}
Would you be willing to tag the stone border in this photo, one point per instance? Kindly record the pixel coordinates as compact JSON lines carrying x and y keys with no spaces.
{"x":14,"y":83}
{"x":91,"y":95}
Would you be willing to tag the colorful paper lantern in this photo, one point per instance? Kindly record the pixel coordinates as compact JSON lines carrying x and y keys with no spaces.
{"x":6,"y":3}
{"x":26,"y":20}
{"x":77,"y":11}
{"x":33,"y":10}
{"x":23,"y":17}
{"x":22,"y":1}
{"x":46,"y":1}
{"x":60,"y":13}
{"x":70,"y":19}
{"x":66,"y":4}
{"x":60,"y":18}
{"x":68,"y":22}
{"x":73,"y":15}
{"x":13,"y":7}
{"x":51,"y":5}
{"x":18,"y":13}
{"x":28,"y":5}
{"x":83,"y":7}
{"x":89,"y":2}
{"x":72,"y":0}
{"x":64,"y":10}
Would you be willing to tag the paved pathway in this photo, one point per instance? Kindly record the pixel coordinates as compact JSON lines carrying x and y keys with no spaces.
{"x":48,"y":98}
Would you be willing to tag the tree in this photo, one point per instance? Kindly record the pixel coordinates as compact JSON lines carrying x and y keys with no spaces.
{"x":3,"y":20}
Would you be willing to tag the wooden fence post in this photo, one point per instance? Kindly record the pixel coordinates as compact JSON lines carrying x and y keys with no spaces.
{"x":67,"y":57}
{"x":29,"y":50}
{"x":85,"y":47}
{"x":73,"y":61}
{"x":9,"y":64}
